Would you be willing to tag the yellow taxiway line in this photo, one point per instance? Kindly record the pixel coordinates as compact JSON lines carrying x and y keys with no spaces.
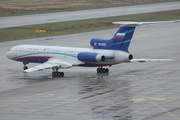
{"x":165,"y":110}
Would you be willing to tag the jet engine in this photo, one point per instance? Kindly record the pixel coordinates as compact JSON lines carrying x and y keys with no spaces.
{"x":121,"y":56}
{"x":90,"y":57}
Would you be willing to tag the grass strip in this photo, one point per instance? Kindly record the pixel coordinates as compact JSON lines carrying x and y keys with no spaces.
{"x":78,"y":26}
{"x":26,"y":7}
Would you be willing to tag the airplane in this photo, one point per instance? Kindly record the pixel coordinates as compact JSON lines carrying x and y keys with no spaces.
{"x":103,"y":52}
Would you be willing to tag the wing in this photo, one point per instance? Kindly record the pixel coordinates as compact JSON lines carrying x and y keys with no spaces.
{"x":146,"y":60}
{"x":52,"y":62}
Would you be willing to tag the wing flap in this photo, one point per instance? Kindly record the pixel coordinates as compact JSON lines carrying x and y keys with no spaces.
{"x":52,"y":62}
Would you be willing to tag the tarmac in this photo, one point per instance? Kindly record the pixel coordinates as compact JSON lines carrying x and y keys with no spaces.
{"x":131,"y":91}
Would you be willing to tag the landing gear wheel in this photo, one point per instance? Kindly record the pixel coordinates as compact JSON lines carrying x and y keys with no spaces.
{"x":102,"y":70}
{"x":98,"y":70}
{"x":57,"y":74}
{"x":25,"y":67}
{"x":106,"y":70}
{"x":53,"y":74}
{"x":62,"y":74}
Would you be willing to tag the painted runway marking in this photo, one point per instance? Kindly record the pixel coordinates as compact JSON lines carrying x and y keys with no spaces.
{"x":91,"y":98}
{"x":158,"y":99}
{"x":141,"y":99}
{"x":165,"y":110}
{"x":135,"y":99}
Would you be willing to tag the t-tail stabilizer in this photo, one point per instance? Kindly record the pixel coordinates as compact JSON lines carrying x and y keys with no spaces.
{"x":122,"y":38}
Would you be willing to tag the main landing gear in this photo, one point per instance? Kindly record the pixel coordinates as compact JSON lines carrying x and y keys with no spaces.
{"x":56,"y":73}
{"x":102,"y":70}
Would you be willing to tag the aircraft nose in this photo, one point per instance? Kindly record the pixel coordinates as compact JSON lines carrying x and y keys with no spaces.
{"x":9,"y":55}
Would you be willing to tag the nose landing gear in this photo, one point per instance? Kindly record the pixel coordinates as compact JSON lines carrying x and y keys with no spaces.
{"x":102,"y":70}
{"x":25,"y":67}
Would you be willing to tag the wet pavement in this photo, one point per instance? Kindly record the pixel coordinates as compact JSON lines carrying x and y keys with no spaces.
{"x":131,"y":91}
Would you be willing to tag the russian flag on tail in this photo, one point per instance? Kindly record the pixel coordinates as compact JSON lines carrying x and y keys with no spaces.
{"x":119,"y":36}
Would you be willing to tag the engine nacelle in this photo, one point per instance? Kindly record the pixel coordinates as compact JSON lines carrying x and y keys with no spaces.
{"x":90,"y":57}
{"x":121,"y":56}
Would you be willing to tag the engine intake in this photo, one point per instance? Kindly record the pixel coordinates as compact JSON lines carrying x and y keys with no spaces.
{"x":130,"y":57}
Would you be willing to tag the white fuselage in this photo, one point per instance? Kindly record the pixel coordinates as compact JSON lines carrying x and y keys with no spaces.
{"x":40,"y":54}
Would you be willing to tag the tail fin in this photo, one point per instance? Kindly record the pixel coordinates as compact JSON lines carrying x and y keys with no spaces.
{"x":121,"y":40}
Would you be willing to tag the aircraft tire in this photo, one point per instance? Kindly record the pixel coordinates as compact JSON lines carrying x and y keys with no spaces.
{"x":62,"y":74}
{"x":106,"y":70}
{"x":25,"y":67}
{"x":102,"y":70}
{"x":98,"y":70}
{"x":57,"y":74}
{"x":53,"y":74}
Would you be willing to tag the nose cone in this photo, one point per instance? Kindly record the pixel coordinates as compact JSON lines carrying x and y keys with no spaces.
{"x":9,"y":55}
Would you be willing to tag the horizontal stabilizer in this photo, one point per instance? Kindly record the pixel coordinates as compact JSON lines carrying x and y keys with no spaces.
{"x":147,"y":60}
{"x":133,"y":24}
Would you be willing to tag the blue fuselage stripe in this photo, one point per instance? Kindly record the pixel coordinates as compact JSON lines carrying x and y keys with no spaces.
{"x":42,"y":54}
{"x":121,"y":42}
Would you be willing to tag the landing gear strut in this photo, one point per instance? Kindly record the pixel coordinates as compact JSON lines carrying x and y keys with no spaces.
{"x":102,"y":70}
{"x":56,"y":73}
